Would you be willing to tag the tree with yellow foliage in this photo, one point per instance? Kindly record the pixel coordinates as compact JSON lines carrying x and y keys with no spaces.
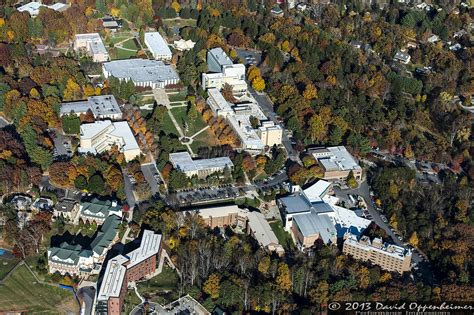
{"x":212,"y":286}
{"x":258,"y":84}
{"x":72,"y":91}
{"x":285,"y":46}
{"x":89,"y":90}
{"x":414,"y":239}
{"x":264,"y":265}
{"x":252,"y":73}
{"x":393,"y":221}
{"x":115,"y":12}
{"x":310,"y":92}
{"x":283,"y":279}
{"x":176,"y":6}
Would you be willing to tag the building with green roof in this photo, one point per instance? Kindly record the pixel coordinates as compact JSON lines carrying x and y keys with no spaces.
{"x":77,"y":259}
{"x":98,"y":210}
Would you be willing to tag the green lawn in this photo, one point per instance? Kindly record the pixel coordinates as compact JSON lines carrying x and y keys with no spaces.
{"x":177,"y":97}
{"x":21,"y":292}
{"x":180,"y":114}
{"x":131,"y":44}
{"x":169,"y":127}
{"x":283,"y":237}
{"x":117,"y":53}
{"x":6,"y":265}
{"x":131,"y":300}
{"x":204,"y":139}
{"x":162,"y":288}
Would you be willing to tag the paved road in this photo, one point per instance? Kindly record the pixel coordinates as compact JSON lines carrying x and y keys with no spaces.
{"x":128,"y":187}
{"x":267,"y":107}
{"x":88,"y":296}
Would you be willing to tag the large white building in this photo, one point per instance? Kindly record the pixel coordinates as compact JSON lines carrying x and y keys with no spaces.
{"x":93,"y":44}
{"x":100,"y":136}
{"x":158,"y":46}
{"x":311,"y":215}
{"x":223,"y":71}
{"x":101,"y":106}
{"x":142,"y":72}
{"x":388,"y":256}
{"x":33,"y":8}
{"x":201,"y":168}
{"x":336,"y":163}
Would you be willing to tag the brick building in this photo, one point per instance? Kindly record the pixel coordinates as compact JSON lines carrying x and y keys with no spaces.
{"x":389,"y":257}
{"x":126,"y":268}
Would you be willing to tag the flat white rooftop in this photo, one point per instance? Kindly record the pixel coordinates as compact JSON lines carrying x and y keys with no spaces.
{"x":140,"y":70}
{"x":184,"y":162}
{"x":95,"y":41}
{"x":262,"y":231}
{"x":102,"y":105}
{"x":317,"y":191}
{"x":157,"y":44}
{"x":119,"y":129}
{"x":149,"y":246}
{"x":335,"y":158}
{"x":33,"y":8}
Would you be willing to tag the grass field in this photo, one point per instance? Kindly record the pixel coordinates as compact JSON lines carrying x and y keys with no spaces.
{"x":177,"y":97}
{"x":162,"y":288}
{"x":117,"y":53}
{"x":21,"y":292}
{"x":6,"y":265}
{"x":283,"y":237}
{"x":204,"y":139}
{"x":180,"y":114}
{"x":131,"y":44}
{"x":168,"y":126}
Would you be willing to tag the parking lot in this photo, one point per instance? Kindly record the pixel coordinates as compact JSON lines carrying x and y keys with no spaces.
{"x":251,"y":57}
{"x":62,"y":144}
{"x":206,"y":194}
{"x":152,"y":177}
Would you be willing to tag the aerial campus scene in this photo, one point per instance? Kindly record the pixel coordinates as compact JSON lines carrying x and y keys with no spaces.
{"x":236,"y":157}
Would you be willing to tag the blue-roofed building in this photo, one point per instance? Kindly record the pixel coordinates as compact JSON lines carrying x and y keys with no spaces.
{"x":311,"y":215}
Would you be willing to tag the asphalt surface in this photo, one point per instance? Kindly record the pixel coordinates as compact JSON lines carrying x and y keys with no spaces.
{"x":60,"y":143}
{"x":243,"y":53}
{"x":206,"y":195}
{"x":88,"y":295}
{"x":128,"y":187}
{"x":275,"y":181}
{"x":267,"y":107}
{"x":152,"y":177}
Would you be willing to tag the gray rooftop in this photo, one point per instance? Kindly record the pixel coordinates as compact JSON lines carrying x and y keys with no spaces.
{"x":219,"y":56}
{"x":312,"y":223}
{"x":296,"y":203}
{"x":101,"y":105}
{"x":185,"y":163}
{"x":140,"y":70}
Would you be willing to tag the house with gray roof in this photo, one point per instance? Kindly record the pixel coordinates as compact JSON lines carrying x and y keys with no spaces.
{"x":99,"y":210}
{"x":79,"y":259}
